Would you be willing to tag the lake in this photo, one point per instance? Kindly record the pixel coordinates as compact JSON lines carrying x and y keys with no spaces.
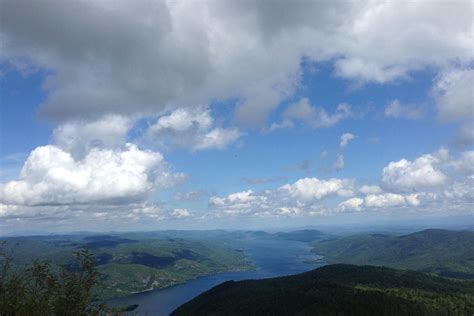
{"x":272,"y":258}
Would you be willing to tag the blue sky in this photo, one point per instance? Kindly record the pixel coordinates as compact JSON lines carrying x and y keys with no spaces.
{"x":174,"y":126}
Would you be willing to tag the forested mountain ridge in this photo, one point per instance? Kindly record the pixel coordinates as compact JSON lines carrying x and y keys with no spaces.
{"x":443,"y":252}
{"x":338,"y":290}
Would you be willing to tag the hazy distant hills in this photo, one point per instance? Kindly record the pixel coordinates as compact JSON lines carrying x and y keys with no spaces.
{"x":446,"y":253}
{"x":301,"y":235}
{"x":338,"y":290}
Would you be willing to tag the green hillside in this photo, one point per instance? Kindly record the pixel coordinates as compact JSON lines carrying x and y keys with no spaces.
{"x":443,"y":252}
{"x":132,"y":265}
{"x":338,"y":290}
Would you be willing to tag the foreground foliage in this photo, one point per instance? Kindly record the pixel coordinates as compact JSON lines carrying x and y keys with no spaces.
{"x":39,"y":289}
{"x":338,"y":290}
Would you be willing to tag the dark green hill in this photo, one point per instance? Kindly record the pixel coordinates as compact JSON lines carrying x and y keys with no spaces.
{"x":338,"y":290}
{"x":446,"y":253}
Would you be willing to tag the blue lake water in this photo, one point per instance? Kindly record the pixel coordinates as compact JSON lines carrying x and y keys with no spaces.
{"x":272,"y":258}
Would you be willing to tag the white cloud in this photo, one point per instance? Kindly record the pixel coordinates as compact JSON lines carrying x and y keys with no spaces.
{"x":141,"y":211}
{"x":454,"y":94}
{"x":87,"y":216}
{"x":370,"y":189}
{"x":418,"y":174}
{"x":217,"y":138}
{"x":51,"y":176}
{"x":79,"y":137}
{"x":345,"y":139}
{"x":146,"y":56}
{"x":465,"y":163}
{"x":384,"y":200}
{"x":427,"y":23}
{"x":433,"y":182}
{"x":106,"y":61}
{"x":299,"y":198}
{"x":192,"y":128}
{"x":182,"y":120}
{"x":463,"y":189}
{"x":412,"y":199}
{"x":239,"y":203}
{"x":352,"y":204}
{"x":379,"y":201}
{"x":310,"y":189}
{"x":434,"y":177}
{"x":180,"y":213}
{"x":397,"y":110}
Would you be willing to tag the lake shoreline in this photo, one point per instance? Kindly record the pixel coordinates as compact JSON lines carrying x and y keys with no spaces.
{"x":270,"y":257}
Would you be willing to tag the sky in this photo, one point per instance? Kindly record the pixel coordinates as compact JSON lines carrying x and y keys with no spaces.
{"x":144,"y":115}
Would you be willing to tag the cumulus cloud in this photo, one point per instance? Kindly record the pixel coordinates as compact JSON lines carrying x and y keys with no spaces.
{"x":353,"y":203}
{"x":146,"y":56}
{"x":191,"y":128}
{"x":461,"y":189}
{"x":435,"y":177}
{"x":380,"y":201}
{"x":51,"y":176}
{"x":310,"y":189}
{"x":78,"y":137}
{"x":384,"y":200}
{"x":370,"y":189}
{"x":418,"y":174}
{"x":238,"y":198}
{"x":103,"y":62}
{"x":437,"y":181}
{"x":239,"y":203}
{"x":397,"y":110}
{"x":299,"y":198}
{"x":180,"y":213}
{"x":412,"y":199}
{"x":432,"y":182}
{"x":454,"y":95}
{"x":465,"y":163}
{"x":406,"y":23}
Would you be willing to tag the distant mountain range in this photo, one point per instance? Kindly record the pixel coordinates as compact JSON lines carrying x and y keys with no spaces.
{"x":301,"y":235}
{"x":338,"y":290}
{"x":443,"y":252}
